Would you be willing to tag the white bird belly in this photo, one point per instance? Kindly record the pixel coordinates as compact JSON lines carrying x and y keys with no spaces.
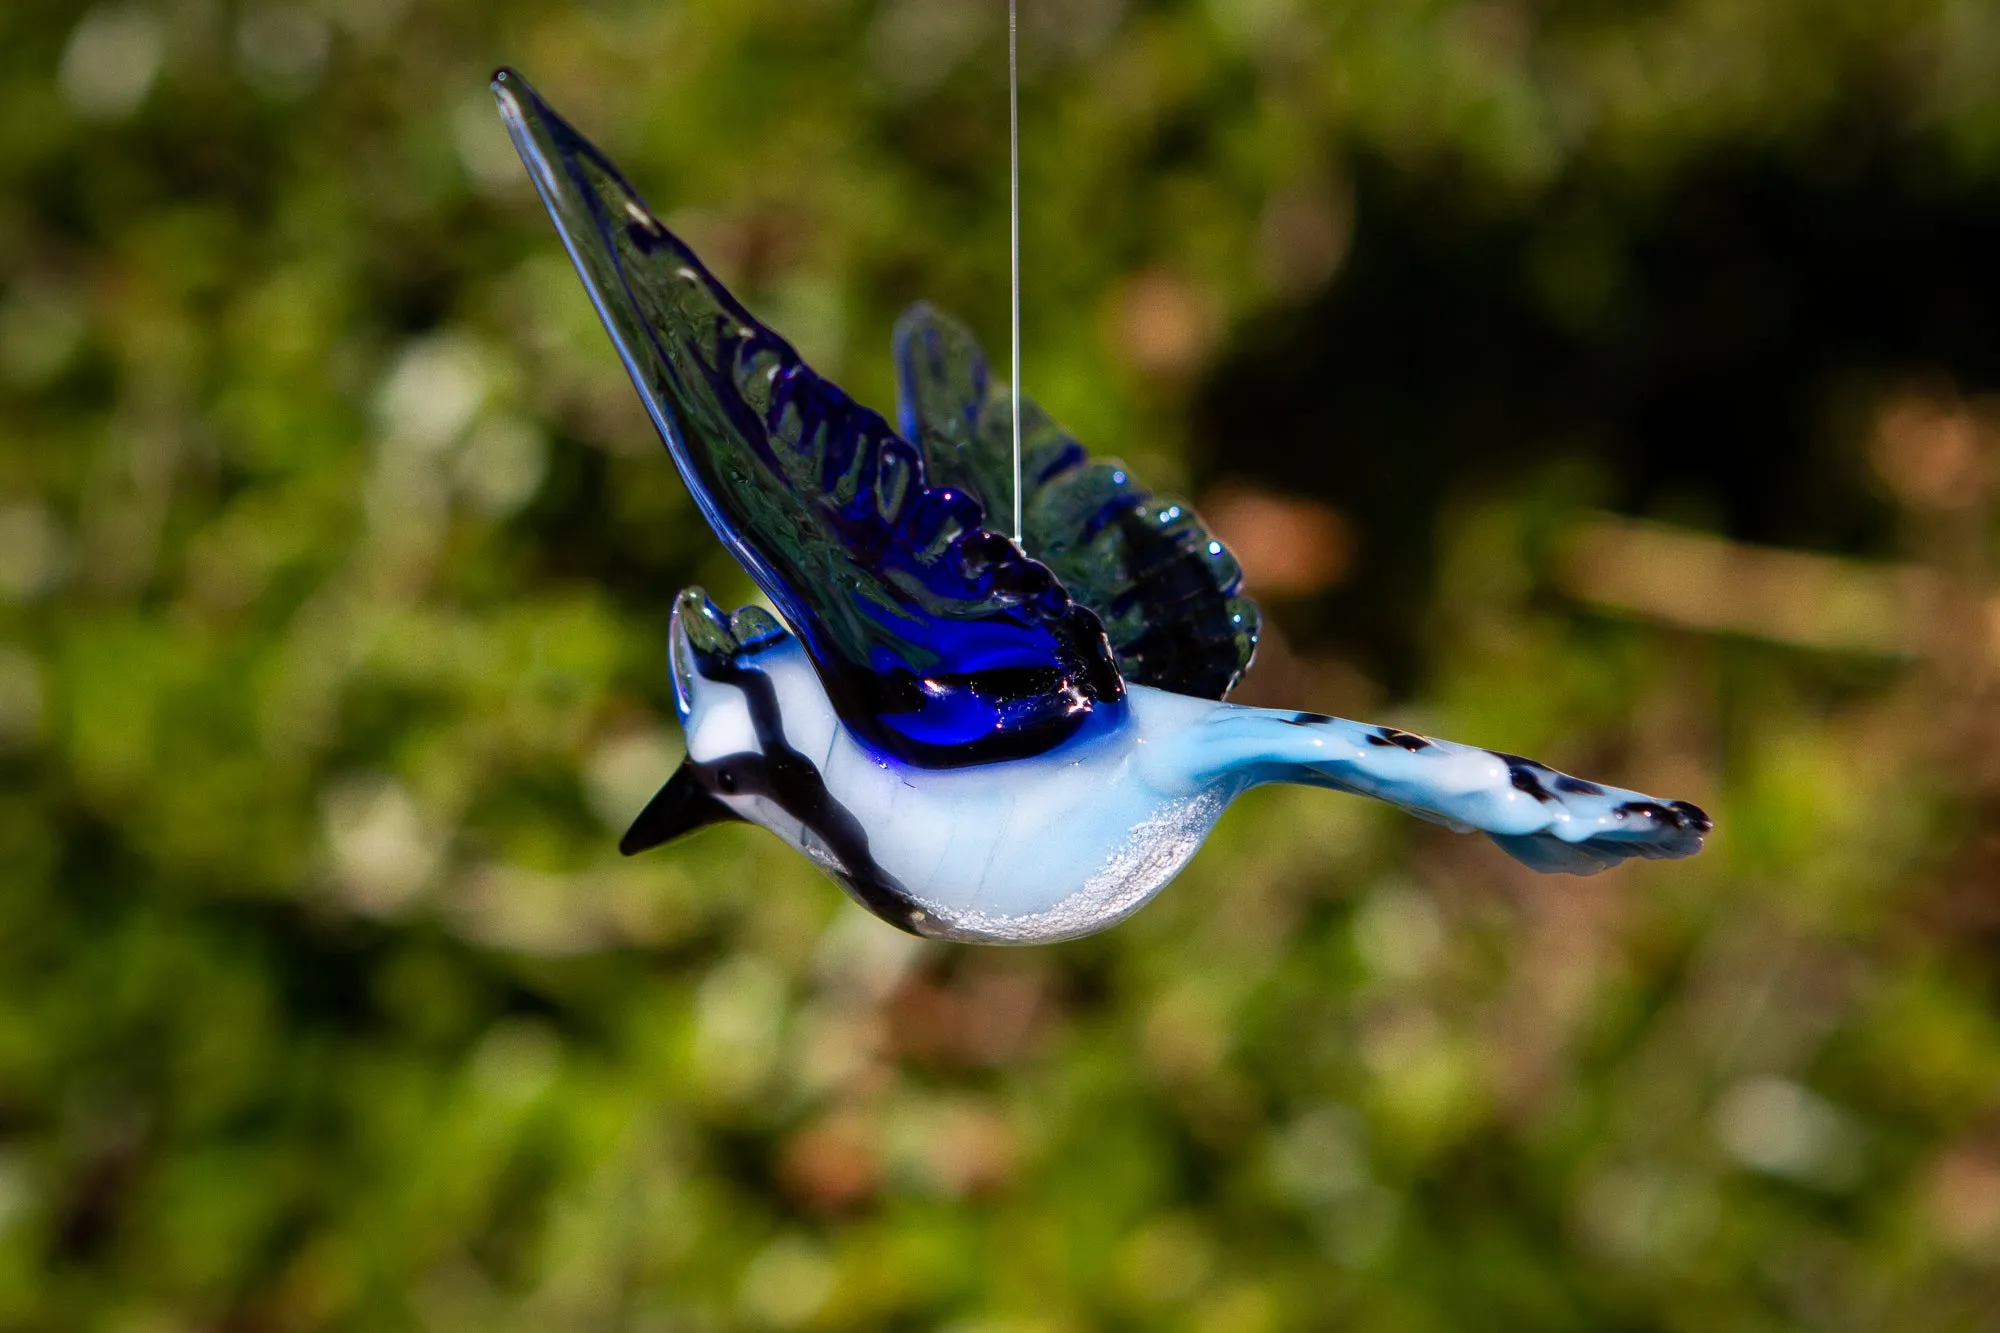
{"x":1020,"y":851}
{"x":1038,"y":849}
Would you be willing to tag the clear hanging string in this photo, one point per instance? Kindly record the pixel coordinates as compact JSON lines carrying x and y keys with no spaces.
{"x":1014,"y":237}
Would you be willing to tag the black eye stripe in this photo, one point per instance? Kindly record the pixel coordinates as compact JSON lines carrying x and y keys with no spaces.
{"x":787,"y":779}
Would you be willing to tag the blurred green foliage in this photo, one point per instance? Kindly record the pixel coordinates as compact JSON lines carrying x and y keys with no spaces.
{"x":335,"y":556}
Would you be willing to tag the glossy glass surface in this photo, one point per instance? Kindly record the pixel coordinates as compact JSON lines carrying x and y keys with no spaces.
{"x":1168,"y":593}
{"x":941,"y":643}
{"x":943,"y":728}
{"x":1068,"y":842}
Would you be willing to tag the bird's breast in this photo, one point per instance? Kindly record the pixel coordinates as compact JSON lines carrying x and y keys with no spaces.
{"x":1028,"y":850}
{"x":1021,"y":850}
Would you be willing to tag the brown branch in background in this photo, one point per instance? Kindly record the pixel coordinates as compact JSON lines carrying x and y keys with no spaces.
{"x":1697,"y":580}
{"x":1934,"y":452}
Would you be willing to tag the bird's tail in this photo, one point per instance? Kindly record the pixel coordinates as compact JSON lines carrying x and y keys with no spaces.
{"x":1544,"y":819}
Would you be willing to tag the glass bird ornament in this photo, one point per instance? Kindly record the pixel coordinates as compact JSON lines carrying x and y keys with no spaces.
{"x":979,"y":739}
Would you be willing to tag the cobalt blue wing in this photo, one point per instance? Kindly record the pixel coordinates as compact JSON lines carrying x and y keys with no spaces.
{"x":938,"y":641}
{"x":1167,"y":592}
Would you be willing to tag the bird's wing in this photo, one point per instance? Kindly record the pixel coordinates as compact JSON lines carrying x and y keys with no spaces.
{"x":1547,"y":820}
{"x":1167,"y":592}
{"x":938,"y":641}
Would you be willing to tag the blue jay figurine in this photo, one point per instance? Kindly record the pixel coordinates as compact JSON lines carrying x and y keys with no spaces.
{"x":979,"y":739}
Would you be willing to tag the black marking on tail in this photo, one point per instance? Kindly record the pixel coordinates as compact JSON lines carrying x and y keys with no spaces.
{"x":1524,"y":779}
{"x":1527,"y":775}
{"x":1387,"y":736}
{"x":1694,"y":816}
{"x":1674,"y":814}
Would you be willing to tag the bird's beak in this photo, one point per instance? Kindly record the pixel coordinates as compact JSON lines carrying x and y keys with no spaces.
{"x":679,"y":808}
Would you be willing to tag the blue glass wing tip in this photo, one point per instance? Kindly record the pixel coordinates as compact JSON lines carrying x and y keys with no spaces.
{"x":1651,"y":830}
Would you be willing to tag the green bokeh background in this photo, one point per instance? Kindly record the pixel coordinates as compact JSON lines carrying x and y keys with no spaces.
{"x":335,"y":556}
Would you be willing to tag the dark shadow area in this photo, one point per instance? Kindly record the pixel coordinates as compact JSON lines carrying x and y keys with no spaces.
{"x":1709,"y":351}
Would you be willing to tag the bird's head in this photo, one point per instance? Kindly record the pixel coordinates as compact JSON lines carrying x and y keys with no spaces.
{"x":706,"y":651}
{"x":706,"y":647}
